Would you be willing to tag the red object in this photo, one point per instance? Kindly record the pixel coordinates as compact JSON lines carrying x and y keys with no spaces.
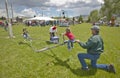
{"x":70,"y":35}
{"x":54,"y":27}
{"x":1,"y":23}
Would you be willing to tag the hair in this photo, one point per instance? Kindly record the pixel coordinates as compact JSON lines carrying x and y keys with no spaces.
{"x":25,"y":30}
{"x":97,"y":31}
{"x":68,"y":29}
{"x":54,"y":27}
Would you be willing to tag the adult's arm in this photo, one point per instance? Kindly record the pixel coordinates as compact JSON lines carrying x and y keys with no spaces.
{"x":88,"y":44}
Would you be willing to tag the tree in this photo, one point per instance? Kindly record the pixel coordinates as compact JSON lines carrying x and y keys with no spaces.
{"x":94,"y":16}
{"x":80,"y":19}
{"x":109,"y":8}
{"x":8,"y":20}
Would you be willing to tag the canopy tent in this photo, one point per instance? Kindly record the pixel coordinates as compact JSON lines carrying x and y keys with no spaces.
{"x":41,"y":18}
{"x":40,"y":21}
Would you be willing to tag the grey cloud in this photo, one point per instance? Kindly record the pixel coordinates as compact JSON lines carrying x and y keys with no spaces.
{"x":80,"y":5}
{"x":25,"y":3}
{"x":42,"y":3}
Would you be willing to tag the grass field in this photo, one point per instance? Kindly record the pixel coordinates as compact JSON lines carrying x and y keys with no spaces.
{"x":20,"y":61}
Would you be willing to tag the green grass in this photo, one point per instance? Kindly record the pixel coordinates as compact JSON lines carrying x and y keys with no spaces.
{"x":20,"y":61}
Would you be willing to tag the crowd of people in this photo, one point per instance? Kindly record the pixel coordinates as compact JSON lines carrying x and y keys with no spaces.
{"x":4,"y":25}
{"x":36,"y":23}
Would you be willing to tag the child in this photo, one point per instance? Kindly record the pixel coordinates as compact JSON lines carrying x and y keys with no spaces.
{"x":52,"y":30}
{"x":25,"y":34}
{"x":71,"y":37}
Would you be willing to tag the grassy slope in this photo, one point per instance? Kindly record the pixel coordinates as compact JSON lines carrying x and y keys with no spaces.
{"x":20,"y":61}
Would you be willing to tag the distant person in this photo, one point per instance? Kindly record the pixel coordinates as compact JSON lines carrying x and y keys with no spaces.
{"x":71,"y":37}
{"x":29,"y":23}
{"x":73,"y":21}
{"x":6,"y":26}
{"x":110,"y":23}
{"x":93,"y":23}
{"x":53,"y":31}
{"x":80,"y":22}
{"x":95,"y":47}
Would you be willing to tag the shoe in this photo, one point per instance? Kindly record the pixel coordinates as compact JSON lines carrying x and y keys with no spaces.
{"x":72,"y":47}
{"x":69,"y":50}
{"x":86,"y":69}
{"x":111,"y":68}
{"x":66,"y":41}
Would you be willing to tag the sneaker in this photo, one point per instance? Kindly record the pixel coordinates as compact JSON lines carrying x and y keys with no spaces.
{"x":72,"y":47}
{"x":111,"y":68}
{"x":65,"y":41}
{"x":86,"y":69}
{"x":69,"y":50}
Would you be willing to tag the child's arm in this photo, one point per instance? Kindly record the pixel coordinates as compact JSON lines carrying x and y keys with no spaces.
{"x":56,"y":32}
{"x":63,"y":34}
{"x":63,"y":38}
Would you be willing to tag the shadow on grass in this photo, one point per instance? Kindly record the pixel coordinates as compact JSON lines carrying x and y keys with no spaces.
{"x":80,"y":72}
{"x":77,"y":71}
{"x":24,"y":43}
{"x":48,"y":42}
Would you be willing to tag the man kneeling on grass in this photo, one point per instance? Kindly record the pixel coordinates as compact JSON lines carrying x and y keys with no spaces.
{"x":94,"y":47}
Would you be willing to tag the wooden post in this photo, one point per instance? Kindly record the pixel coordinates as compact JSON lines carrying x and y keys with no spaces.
{"x":12,"y":12}
{"x":8,"y":20}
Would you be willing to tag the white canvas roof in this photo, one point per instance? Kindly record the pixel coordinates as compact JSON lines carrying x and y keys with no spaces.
{"x":42,"y":18}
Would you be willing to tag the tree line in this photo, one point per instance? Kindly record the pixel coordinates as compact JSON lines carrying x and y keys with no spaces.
{"x":108,"y":9}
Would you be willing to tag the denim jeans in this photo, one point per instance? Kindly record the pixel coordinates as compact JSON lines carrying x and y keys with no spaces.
{"x":93,"y":58}
{"x":70,"y":44}
{"x":25,"y":36}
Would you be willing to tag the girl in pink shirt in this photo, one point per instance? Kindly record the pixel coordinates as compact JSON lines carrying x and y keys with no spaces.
{"x":71,"y":38}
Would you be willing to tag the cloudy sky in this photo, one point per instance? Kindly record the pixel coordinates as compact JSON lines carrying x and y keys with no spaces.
{"x":50,"y":7}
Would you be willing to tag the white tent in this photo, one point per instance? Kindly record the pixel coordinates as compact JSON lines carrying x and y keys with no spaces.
{"x":41,"y":18}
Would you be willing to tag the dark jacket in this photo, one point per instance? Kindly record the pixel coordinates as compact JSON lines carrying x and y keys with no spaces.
{"x":94,"y":45}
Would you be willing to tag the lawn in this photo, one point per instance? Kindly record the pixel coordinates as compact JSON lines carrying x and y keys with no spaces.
{"x":20,"y":60}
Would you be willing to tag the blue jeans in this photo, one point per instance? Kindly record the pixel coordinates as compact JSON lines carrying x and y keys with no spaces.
{"x":25,"y":36}
{"x":70,"y":44}
{"x":93,"y":58}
